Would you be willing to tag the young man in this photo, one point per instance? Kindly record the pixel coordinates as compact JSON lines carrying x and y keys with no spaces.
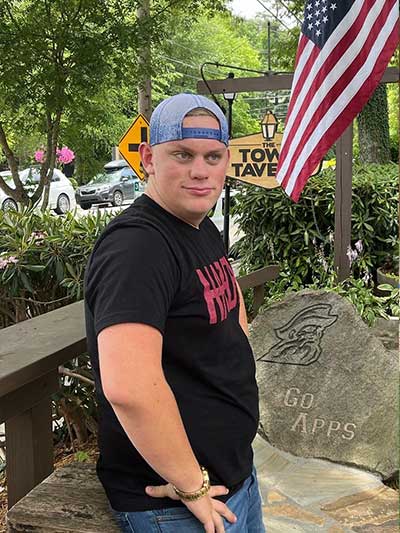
{"x":167,"y":332}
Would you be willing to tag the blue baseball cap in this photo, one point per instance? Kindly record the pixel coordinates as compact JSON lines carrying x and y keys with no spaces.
{"x":167,"y":118}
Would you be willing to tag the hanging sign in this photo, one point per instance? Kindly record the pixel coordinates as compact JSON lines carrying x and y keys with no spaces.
{"x":254,"y":158}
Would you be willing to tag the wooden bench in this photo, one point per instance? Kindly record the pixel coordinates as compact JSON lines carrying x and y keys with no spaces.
{"x":71,"y":500}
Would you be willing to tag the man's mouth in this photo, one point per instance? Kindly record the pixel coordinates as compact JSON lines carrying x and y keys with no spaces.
{"x":199,"y":191}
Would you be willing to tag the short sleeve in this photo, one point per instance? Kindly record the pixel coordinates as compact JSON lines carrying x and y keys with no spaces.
{"x":132,"y":276}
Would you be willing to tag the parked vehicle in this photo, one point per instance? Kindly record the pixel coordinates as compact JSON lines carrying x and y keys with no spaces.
{"x":61,"y":194}
{"x":116,"y":184}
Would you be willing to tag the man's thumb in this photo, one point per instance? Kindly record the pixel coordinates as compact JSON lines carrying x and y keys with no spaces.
{"x":156,"y":492}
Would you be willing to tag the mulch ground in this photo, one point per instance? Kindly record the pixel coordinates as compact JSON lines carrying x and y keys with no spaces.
{"x":62,"y":457}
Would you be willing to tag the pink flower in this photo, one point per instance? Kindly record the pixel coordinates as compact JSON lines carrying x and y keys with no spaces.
{"x":351,"y":254}
{"x":39,"y":156}
{"x":5,"y":261}
{"x":65,"y":155}
{"x":359,"y":246}
{"x":38,"y":237}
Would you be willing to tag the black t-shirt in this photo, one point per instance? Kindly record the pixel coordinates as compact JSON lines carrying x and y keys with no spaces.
{"x":150,"y":267}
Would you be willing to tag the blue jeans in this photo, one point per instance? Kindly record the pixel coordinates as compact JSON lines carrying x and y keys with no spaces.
{"x":245,"y":503}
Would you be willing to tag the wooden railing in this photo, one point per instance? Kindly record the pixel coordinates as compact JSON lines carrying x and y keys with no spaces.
{"x":30,"y":354}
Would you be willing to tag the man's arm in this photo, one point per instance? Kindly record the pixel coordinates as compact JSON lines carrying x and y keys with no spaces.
{"x":242,"y":312}
{"x":133,"y":382}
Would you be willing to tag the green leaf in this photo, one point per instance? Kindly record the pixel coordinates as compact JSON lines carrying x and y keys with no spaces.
{"x":34,"y":268}
{"x":71,"y":270}
{"x":59,"y":270}
{"x":386,"y":287}
{"x":26,"y":283}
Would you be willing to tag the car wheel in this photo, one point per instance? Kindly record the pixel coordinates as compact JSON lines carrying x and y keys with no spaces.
{"x":63,"y":205}
{"x":86,"y":206}
{"x":118,"y":198}
{"x":9,"y":205}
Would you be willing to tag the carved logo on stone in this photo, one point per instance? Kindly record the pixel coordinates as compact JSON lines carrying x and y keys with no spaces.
{"x":300,"y":338}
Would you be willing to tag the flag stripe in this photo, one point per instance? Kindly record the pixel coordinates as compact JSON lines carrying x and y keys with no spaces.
{"x":306,"y":59}
{"x":322,"y":108}
{"x":336,"y":64}
{"x":346,"y":98}
{"x":333,"y":40}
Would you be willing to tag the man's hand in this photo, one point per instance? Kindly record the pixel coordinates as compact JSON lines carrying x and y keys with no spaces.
{"x":207,"y":509}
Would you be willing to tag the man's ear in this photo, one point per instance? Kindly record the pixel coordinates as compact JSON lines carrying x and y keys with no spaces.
{"x":146,"y":155}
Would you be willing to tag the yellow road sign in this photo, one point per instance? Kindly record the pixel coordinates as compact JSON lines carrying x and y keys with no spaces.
{"x":128,"y":146}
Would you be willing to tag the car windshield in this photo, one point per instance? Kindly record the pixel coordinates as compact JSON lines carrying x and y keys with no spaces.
{"x":113,"y":177}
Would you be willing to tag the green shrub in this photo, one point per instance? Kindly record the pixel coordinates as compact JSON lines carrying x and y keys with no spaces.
{"x":300,"y":237}
{"x":42,"y":261}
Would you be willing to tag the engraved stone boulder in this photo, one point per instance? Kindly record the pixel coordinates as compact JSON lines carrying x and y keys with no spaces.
{"x":328,"y":387}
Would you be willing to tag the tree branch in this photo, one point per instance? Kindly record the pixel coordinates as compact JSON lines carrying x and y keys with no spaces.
{"x":9,"y":11}
{"x":31,"y":300}
{"x":66,"y":372}
{"x":18,"y":194}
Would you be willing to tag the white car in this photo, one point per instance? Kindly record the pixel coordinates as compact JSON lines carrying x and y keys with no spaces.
{"x":61,"y":195}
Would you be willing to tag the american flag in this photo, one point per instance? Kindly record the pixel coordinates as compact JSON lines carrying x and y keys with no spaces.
{"x":344,"y":48}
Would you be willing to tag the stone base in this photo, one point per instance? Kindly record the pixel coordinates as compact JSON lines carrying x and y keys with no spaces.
{"x":310,"y":496}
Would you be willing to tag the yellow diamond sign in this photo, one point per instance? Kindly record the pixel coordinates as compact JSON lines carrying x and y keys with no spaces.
{"x":128,"y":146}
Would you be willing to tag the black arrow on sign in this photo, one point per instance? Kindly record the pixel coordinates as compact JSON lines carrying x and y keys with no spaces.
{"x":143,"y":139}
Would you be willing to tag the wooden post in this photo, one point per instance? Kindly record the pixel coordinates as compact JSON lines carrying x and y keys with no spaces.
{"x":344,"y":172}
{"x":29,"y":437}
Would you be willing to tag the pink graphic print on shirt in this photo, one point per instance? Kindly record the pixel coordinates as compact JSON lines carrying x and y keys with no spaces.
{"x":220,"y":290}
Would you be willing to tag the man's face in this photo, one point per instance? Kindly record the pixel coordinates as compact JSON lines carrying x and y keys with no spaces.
{"x":186,"y":177}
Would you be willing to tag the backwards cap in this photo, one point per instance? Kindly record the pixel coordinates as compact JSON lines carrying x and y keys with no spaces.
{"x":167,"y":118}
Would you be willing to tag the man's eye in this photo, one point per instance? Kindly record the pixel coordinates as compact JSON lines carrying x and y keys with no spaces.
{"x":214,"y":158}
{"x":183,"y":156}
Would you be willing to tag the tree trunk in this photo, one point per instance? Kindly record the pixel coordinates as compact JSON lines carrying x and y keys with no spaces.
{"x":373,"y":129}
{"x":53,"y":139}
{"x":46,"y":171}
{"x":18,"y":194}
{"x":144,"y":62}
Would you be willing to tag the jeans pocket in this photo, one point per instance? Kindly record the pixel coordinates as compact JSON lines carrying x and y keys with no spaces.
{"x":177,"y":520}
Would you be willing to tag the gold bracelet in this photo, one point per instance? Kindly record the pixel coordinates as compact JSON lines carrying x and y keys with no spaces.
{"x":197,"y":494}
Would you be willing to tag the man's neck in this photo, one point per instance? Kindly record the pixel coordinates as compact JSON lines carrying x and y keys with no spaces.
{"x":153,"y":194}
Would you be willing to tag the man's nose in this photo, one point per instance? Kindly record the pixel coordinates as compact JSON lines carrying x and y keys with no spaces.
{"x":199,"y":168}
